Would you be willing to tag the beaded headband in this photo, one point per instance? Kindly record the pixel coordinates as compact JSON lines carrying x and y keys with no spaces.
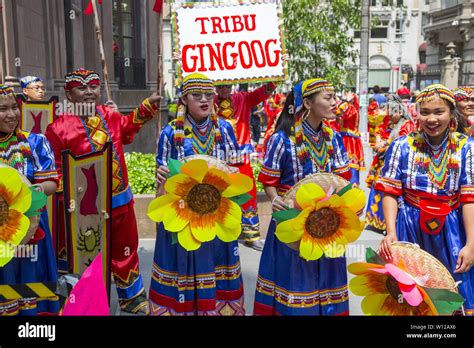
{"x":196,"y":83}
{"x":432,"y":91}
{"x":463,"y":92}
{"x":6,"y":91}
{"x":313,"y":86}
{"x":81,"y":77}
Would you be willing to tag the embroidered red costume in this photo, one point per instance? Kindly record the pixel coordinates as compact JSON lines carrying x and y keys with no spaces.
{"x":83,"y":135}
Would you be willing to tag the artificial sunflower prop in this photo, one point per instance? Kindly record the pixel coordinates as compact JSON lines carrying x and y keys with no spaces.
{"x":391,"y":290}
{"x":201,"y":203}
{"x":18,"y":203}
{"x":323,"y":223}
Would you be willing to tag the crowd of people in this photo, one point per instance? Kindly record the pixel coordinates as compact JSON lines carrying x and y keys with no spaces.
{"x":423,"y":152}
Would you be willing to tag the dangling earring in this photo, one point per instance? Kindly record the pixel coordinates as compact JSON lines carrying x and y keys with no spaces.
{"x":453,"y":124}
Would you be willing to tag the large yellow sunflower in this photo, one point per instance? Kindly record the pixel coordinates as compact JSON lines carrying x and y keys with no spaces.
{"x":15,"y":200}
{"x":325,"y":224}
{"x":389,"y":290}
{"x":198,"y":206}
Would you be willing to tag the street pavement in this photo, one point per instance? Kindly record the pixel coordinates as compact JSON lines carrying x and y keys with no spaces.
{"x":250,"y":261}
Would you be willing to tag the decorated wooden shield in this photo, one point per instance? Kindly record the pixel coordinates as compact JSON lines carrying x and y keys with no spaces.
{"x":87,"y":184}
{"x":36,"y":115}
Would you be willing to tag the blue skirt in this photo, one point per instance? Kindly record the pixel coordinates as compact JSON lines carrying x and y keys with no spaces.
{"x":374,"y":212}
{"x":39,"y":268}
{"x":206,"y":281}
{"x":290,"y":285}
{"x":445,"y":246}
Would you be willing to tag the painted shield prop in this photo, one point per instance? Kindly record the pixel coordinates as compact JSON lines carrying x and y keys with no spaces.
{"x":87,"y":188}
{"x":35,"y":117}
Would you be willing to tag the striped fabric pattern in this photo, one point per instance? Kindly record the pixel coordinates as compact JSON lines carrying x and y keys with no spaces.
{"x":463,"y":92}
{"x":81,"y":77}
{"x":432,"y":91}
{"x":6,"y":91}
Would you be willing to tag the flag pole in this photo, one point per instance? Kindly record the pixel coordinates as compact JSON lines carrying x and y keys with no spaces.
{"x":159,"y":75}
{"x":158,"y":8}
{"x":101,"y":50}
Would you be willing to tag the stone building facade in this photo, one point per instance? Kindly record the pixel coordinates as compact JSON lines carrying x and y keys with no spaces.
{"x":450,"y":21}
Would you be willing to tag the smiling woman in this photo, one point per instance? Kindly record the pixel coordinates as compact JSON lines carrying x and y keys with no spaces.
{"x":31,"y":155}
{"x":433,"y":170}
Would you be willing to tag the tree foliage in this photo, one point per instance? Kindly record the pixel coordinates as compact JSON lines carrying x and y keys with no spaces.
{"x":318,"y":38}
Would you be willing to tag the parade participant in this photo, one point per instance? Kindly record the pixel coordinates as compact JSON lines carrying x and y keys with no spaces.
{"x":349,"y":130}
{"x":373,"y":112}
{"x":299,"y":147}
{"x":465,"y":109}
{"x":432,"y":171}
{"x":236,"y":108}
{"x":273,"y":107}
{"x":31,"y":155}
{"x":33,"y":88}
{"x":206,"y":281}
{"x":379,"y":97}
{"x":256,"y":126}
{"x":400,"y":124}
{"x":403,"y":90}
{"x":88,"y":132}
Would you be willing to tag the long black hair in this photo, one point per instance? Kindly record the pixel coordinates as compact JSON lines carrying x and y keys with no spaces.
{"x":287,"y":116}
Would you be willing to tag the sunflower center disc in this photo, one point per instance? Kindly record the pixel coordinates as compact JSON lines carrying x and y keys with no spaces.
{"x":204,"y":199}
{"x":322,"y":223}
{"x":3,"y":211}
{"x":393,"y":288}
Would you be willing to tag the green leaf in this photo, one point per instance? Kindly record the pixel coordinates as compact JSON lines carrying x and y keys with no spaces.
{"x":38,"y":201}
{"x":372,"y":257}
{"x":284,"y":215}
{"x":241,"y":199}
{"x":445,"y":301}
{"x":174,"y":166}
{"x":344,"y":190}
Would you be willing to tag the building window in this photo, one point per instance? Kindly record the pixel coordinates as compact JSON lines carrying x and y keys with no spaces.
{"x":378,"y":32}
{"x":450,"y":3}
{"x":422,"y":57}
{"x":129,"y":65}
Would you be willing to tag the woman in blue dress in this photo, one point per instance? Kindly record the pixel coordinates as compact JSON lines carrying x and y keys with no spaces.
{"x":433,"y":167}
{"x":31,"y":155}
{"x":206,"y":281}
{"x":286,"y":283}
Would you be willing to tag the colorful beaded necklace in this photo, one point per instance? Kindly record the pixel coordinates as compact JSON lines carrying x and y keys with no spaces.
{"x":318,"y":145}
{"x":436,"y":160}
{"x":202,"y":136}
{"x":13,"y":152}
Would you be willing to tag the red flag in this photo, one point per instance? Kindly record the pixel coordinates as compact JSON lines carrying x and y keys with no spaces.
{"x":89,"y":9}
{"x":158,"y":7}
